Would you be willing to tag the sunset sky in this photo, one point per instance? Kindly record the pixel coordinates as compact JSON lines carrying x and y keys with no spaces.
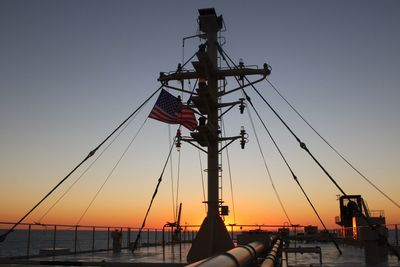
{"x":71,"y":71}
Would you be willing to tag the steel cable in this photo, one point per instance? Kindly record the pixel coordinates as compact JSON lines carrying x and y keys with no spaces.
{"x":331,"y":146}
{"x":86,"y":170}
{"x":290,"y":169}
{"x":111,"y":173}
{"x":223,"y":54}
{"x":304,"y":147}
{"x":152,"y":198}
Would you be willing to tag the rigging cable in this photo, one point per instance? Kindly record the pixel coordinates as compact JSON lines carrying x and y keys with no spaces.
{"x":334,"y":149}
{"x":293,"y":175}
{"x":223,"y":54}
{"x":111,"y":172}
{"x":304,"y":147}
{"x":87,"y":169}
{"x":230,"y":173}
{"x":286,"y":162}
{"x":152,"y":198}
{"x":91,"y":153}
{"x":179,"y":163}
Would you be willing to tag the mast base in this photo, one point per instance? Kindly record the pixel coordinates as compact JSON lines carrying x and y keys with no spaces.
{"x":212,"y":238}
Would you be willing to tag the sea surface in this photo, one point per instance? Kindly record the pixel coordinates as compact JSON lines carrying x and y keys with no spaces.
{"x":16,"y":245}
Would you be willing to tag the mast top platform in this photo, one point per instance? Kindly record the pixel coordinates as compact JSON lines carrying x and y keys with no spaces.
{"x":205,"y":67}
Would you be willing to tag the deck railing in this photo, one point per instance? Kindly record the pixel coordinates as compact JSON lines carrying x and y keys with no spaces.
{"x":393,"y":233}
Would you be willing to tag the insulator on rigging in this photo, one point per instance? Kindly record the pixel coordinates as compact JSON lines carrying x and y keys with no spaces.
{"x":202,"y":121}
{"x":241,"y":65}
{"x":178,"y":139}
{"x":243,"y":135}
{"x":241,"y":105}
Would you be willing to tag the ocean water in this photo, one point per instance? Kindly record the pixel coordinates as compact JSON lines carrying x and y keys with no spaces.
{"x":352,"y":256}
{"x":16,"y":245}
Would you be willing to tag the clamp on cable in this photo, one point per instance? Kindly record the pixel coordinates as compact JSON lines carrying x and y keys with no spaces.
{"x":243,"y":136}
{"x":178,"y":140}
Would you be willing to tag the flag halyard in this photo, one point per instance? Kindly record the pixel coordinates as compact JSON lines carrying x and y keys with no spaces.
{"x":169,"y":109}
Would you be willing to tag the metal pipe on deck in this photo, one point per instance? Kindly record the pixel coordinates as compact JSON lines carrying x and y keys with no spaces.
{"x":54,"y":237}
{"x":93,"y":237}
{"x":108,"y":238}
{"x":76,"y":239}
{"x":236,"y":257}
{"x":270,"y":260}
{"x":28,"y":242}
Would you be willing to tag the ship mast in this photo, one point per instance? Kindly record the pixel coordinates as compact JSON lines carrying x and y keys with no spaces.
{"x":213,"y":236}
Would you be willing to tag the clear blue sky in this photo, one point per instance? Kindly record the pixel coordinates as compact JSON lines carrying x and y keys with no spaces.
{"x":70,"y":71}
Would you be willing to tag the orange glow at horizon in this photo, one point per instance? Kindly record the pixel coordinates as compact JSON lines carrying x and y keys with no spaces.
{"x":69,"y":77}
{"x":119,"y":216}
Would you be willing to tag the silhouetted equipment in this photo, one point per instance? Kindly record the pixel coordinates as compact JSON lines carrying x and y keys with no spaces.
{"x":177,"y":225}
{"x":310,"y":230}
{"x":350,"y":206}
{"x":178,"y":221}
{"x":242,"y":105}
{"x":272,"y":258}
{"x":246,"y":237}
{"x":208,"y":20}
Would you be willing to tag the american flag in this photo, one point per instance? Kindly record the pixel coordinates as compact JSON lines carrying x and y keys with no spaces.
{"x":169,"y":109}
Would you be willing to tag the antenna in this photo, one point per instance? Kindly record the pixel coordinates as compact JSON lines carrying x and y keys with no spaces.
{"x":213,"y":237}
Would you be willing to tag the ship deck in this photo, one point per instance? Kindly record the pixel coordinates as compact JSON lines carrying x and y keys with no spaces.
{"x":173,"y":256}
